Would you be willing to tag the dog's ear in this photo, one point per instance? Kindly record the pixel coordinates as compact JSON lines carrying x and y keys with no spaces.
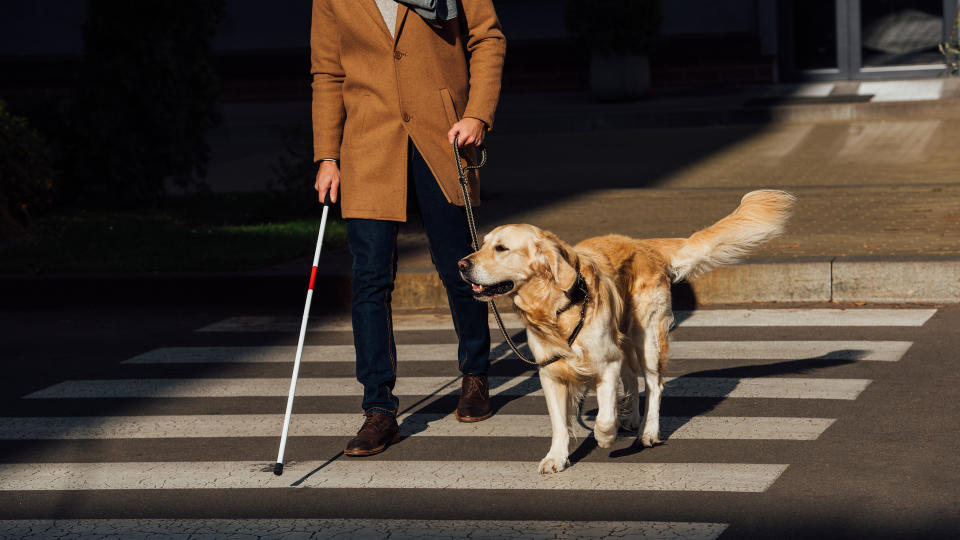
{"x":557,"y":260}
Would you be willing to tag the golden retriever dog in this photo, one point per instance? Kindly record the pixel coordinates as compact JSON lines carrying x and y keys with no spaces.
{"x":598,"y":314}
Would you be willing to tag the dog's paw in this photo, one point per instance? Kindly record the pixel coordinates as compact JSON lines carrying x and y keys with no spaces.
{"x":630,"y":423}
{"x":553,"y":464}
{"x":649,"y":440}
{"x":605,"y":435}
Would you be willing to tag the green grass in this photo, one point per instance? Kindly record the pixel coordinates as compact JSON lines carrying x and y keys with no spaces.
{"x":208,"y":234}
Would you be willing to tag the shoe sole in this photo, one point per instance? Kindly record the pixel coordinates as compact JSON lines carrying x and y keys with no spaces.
{"x":372,"y":451}
{"x":470,"y":419}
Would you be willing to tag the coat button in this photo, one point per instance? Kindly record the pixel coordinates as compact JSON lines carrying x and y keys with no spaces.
{"x":398,"y":55}
{"x":406,"y":117}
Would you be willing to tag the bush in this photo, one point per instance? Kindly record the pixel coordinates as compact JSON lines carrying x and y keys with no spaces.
{"x":614,"y":26}
{"x":26,"y":182}
{"x":950,"y":50}
{"x":146,"y":100}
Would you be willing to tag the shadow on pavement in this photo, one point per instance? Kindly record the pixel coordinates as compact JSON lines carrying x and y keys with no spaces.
{"x":730,"y":378}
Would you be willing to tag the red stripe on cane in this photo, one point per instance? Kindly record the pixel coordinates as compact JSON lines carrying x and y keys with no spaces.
{"x":313,"y":277}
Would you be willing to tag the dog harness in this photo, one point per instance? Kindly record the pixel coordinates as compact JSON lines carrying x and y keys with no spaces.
{"x":577,"y":294}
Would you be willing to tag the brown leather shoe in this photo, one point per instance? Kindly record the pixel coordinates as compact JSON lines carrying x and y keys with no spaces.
{"x":378,"y":431}
{"x":474,"y":404}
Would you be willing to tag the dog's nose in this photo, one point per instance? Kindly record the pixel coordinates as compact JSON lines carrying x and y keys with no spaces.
{"x":464,"y":265}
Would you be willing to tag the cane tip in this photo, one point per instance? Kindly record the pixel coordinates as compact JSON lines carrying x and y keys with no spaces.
{"x":278,"y":469}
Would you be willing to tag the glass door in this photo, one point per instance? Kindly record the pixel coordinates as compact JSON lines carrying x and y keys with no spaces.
{"x":815,"y":36}
{"x":863,"y":39}
{"x":901,"y":35}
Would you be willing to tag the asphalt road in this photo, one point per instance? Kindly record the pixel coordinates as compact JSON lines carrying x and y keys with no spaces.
{"x":805,"y":423}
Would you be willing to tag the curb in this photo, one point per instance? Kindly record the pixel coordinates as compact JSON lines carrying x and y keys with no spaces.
{"x":838,"y":279}
{"x":841,"y":280}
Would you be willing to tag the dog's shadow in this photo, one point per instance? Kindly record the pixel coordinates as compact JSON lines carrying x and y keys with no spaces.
{"x":727,"y":379}
{"x":438,"y":405}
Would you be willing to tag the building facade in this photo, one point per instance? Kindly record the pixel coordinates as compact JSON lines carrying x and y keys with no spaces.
{"x":703,"y":42}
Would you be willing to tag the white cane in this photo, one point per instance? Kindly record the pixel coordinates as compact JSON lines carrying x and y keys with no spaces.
{"x":278,"y":468}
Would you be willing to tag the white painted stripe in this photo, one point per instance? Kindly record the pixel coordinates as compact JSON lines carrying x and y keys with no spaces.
{"x":285,"y":354}
{"x":774,"y":388}
{"x":321,"y":529}
{"x":421,"y":386}
{"x":805,"y":317}
{"x":885,"y":351}
{"x":346,"y":425}
{"x":347,"y":474}
{"x":744,"y":428}
{"x":705,"y":317}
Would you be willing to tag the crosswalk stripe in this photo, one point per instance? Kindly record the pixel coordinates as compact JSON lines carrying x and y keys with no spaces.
{"x":353,"y":474}
{"x":346,"y":425}
{"x":698,"y":318}
{"x":795,"y":388}
{"x":883,"y":351}
{"x":290,"y":324}
{"x":396,"y":529}
{"x":805,"y":317}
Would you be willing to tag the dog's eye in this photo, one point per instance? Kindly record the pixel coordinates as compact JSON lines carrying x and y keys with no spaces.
{"x":500,"y":247}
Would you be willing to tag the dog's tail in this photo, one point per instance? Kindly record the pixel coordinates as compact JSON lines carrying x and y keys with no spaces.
{"x":760,"y":217}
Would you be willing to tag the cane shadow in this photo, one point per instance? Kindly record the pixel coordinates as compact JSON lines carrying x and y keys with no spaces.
{"x":447,"y":395}
{"x":408,"y":427}
{"x":299,"y":481}
{"x":726,"y":381}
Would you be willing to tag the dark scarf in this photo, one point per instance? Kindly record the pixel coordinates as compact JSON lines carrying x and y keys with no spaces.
{"x":433,"y":10}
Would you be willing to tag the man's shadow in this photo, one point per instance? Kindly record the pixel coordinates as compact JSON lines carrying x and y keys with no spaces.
{"x":441,"y":403}
{"x":728,"y":379}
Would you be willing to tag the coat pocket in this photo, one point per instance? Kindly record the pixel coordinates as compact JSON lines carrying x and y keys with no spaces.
{"x":449,"y":109}
{"x":355,"y":126}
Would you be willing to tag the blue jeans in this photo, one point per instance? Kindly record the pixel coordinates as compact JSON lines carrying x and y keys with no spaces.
{"x":373,"y":244}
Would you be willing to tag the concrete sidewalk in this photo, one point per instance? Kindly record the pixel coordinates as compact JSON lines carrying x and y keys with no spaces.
{"x":755,"y":104}
{"x":250,"y":143}
{"x":873,"y":164}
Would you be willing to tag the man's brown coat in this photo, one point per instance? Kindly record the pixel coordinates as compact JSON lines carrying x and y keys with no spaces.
{"x":372,"y":93}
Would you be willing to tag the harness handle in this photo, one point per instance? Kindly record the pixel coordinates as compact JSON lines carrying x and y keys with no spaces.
{"x":472,"y":225}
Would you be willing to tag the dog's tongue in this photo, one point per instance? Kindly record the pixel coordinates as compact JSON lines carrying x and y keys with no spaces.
{"x":477,"y":288}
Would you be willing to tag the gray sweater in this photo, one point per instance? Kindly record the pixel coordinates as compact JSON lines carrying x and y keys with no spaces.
{"x":442,"y":10}
{"x":388,"y":8}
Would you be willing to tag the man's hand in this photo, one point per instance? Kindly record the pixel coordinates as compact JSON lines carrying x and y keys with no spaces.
{"x":328,"y":179}
{"x":471,"y":132}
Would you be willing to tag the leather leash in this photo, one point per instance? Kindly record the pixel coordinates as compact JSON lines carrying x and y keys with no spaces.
{"x":578,"y":292}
